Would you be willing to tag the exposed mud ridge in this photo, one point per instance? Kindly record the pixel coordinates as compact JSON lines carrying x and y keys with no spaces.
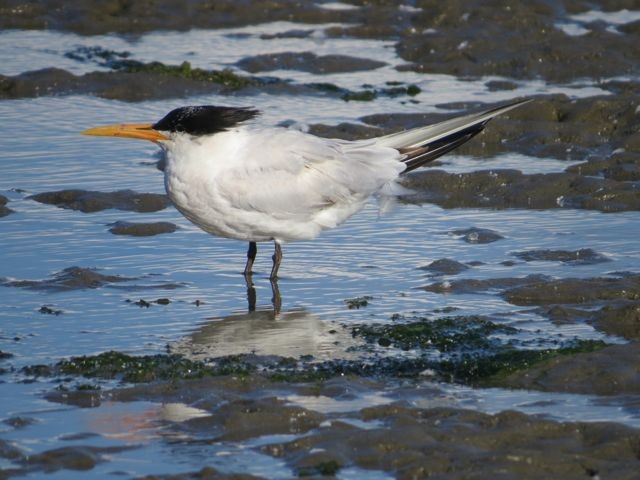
{"x":445,"y":266}
{"x":76,"y":458}
{"x":94,"y":17}
{"x":89,"y":201}
{"x":614,"y":370}
{"x":134,"y":81}
{"x":595,"y":128}
{"x":156,"y":82}
{"x":513,"y":189}
{"x":142,"y":229}
{"x":575,"y":291}
{"x":583,"y":256}
{"x":398,"y":438}
{"x":72,"y":278}
{"x":449,"y":443}
{"x":611,"y":304}
{"x":459,"y":38}
{"x":307,"y":62}
{"x":473,"y":285}
{"x":621,"y":319}
{"x":435,"y":38}
{"x":542,"y":290}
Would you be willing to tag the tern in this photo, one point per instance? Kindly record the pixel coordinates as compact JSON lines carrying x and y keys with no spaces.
{"x":236,"y":179}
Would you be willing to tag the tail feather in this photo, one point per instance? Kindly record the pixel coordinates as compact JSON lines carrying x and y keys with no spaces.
{"x":424,"y":144}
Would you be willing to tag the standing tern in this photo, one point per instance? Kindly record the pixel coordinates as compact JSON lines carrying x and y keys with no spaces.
{"x":235,"y":179}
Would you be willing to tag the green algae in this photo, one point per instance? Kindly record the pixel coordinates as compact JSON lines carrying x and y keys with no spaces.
{"x":473,"y":361}
{"x":97,"y":54}
{"x":445,"y":334}
{"x":368,"y":94}
{"x":489,"y":369}
{"x":225,"y":77}
{"x":324,"y":469}
{"x":136,"y":369}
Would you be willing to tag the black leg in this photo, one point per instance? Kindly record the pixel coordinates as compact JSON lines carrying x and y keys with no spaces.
{"x":277,"y":256}
{"x":251,"y":256}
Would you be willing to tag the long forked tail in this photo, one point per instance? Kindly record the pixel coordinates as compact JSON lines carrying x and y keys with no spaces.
{"x":424,"y":144}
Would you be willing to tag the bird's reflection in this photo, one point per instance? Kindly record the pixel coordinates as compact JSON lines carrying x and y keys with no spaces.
{"x":276,"y":299}
{"x":265,"y":331}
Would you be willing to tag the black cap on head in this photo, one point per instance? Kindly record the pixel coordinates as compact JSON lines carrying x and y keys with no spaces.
{"x":203,"y":120}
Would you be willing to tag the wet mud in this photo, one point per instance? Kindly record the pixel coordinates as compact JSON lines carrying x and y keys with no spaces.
{"x":249,"y":397}
{"x":134,"y":81}
{"x":90,"y":202}
{"x":307,"y":62}
{"x":445,"y":266}
{"x":584,"y":256}
{"x":399,"y":438}
{"x":513,"y":189}
{"x":435,"y":38}
{"x":614,"y":370}
{"x":71,"y":278}
{"x":138,"y":229}
{"x":79,"y":278}
{"x":76,"y":458}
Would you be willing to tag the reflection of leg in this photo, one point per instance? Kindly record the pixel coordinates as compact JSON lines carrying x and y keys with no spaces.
{"x":251,"y":256}
{"x":251,"y":292}
{"x":276,"y":299}
{"x":277,"y":256}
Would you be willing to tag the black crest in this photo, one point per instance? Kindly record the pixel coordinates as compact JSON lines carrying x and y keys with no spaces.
{"x":203,"y":120}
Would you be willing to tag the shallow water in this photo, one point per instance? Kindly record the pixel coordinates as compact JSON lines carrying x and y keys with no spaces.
{"x":372,"y":254}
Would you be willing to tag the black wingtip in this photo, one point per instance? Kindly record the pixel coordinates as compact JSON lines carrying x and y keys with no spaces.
{"x":418,"y":156}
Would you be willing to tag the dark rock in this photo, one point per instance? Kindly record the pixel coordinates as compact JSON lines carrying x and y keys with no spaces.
{"x":47,"y":310}
{"x":142,"y":229}
{"x":445,"y":266}
{"x":4,"y":210}
{"x":478,"y":235}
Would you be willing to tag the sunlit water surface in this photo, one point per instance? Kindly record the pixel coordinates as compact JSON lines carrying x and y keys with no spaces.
{"x":372,"y":254}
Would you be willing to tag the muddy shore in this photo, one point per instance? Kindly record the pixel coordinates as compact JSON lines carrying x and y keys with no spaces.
{"x":245,"y":397}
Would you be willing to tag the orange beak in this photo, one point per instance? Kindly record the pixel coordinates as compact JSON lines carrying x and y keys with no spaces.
{"x":142,"y":131}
